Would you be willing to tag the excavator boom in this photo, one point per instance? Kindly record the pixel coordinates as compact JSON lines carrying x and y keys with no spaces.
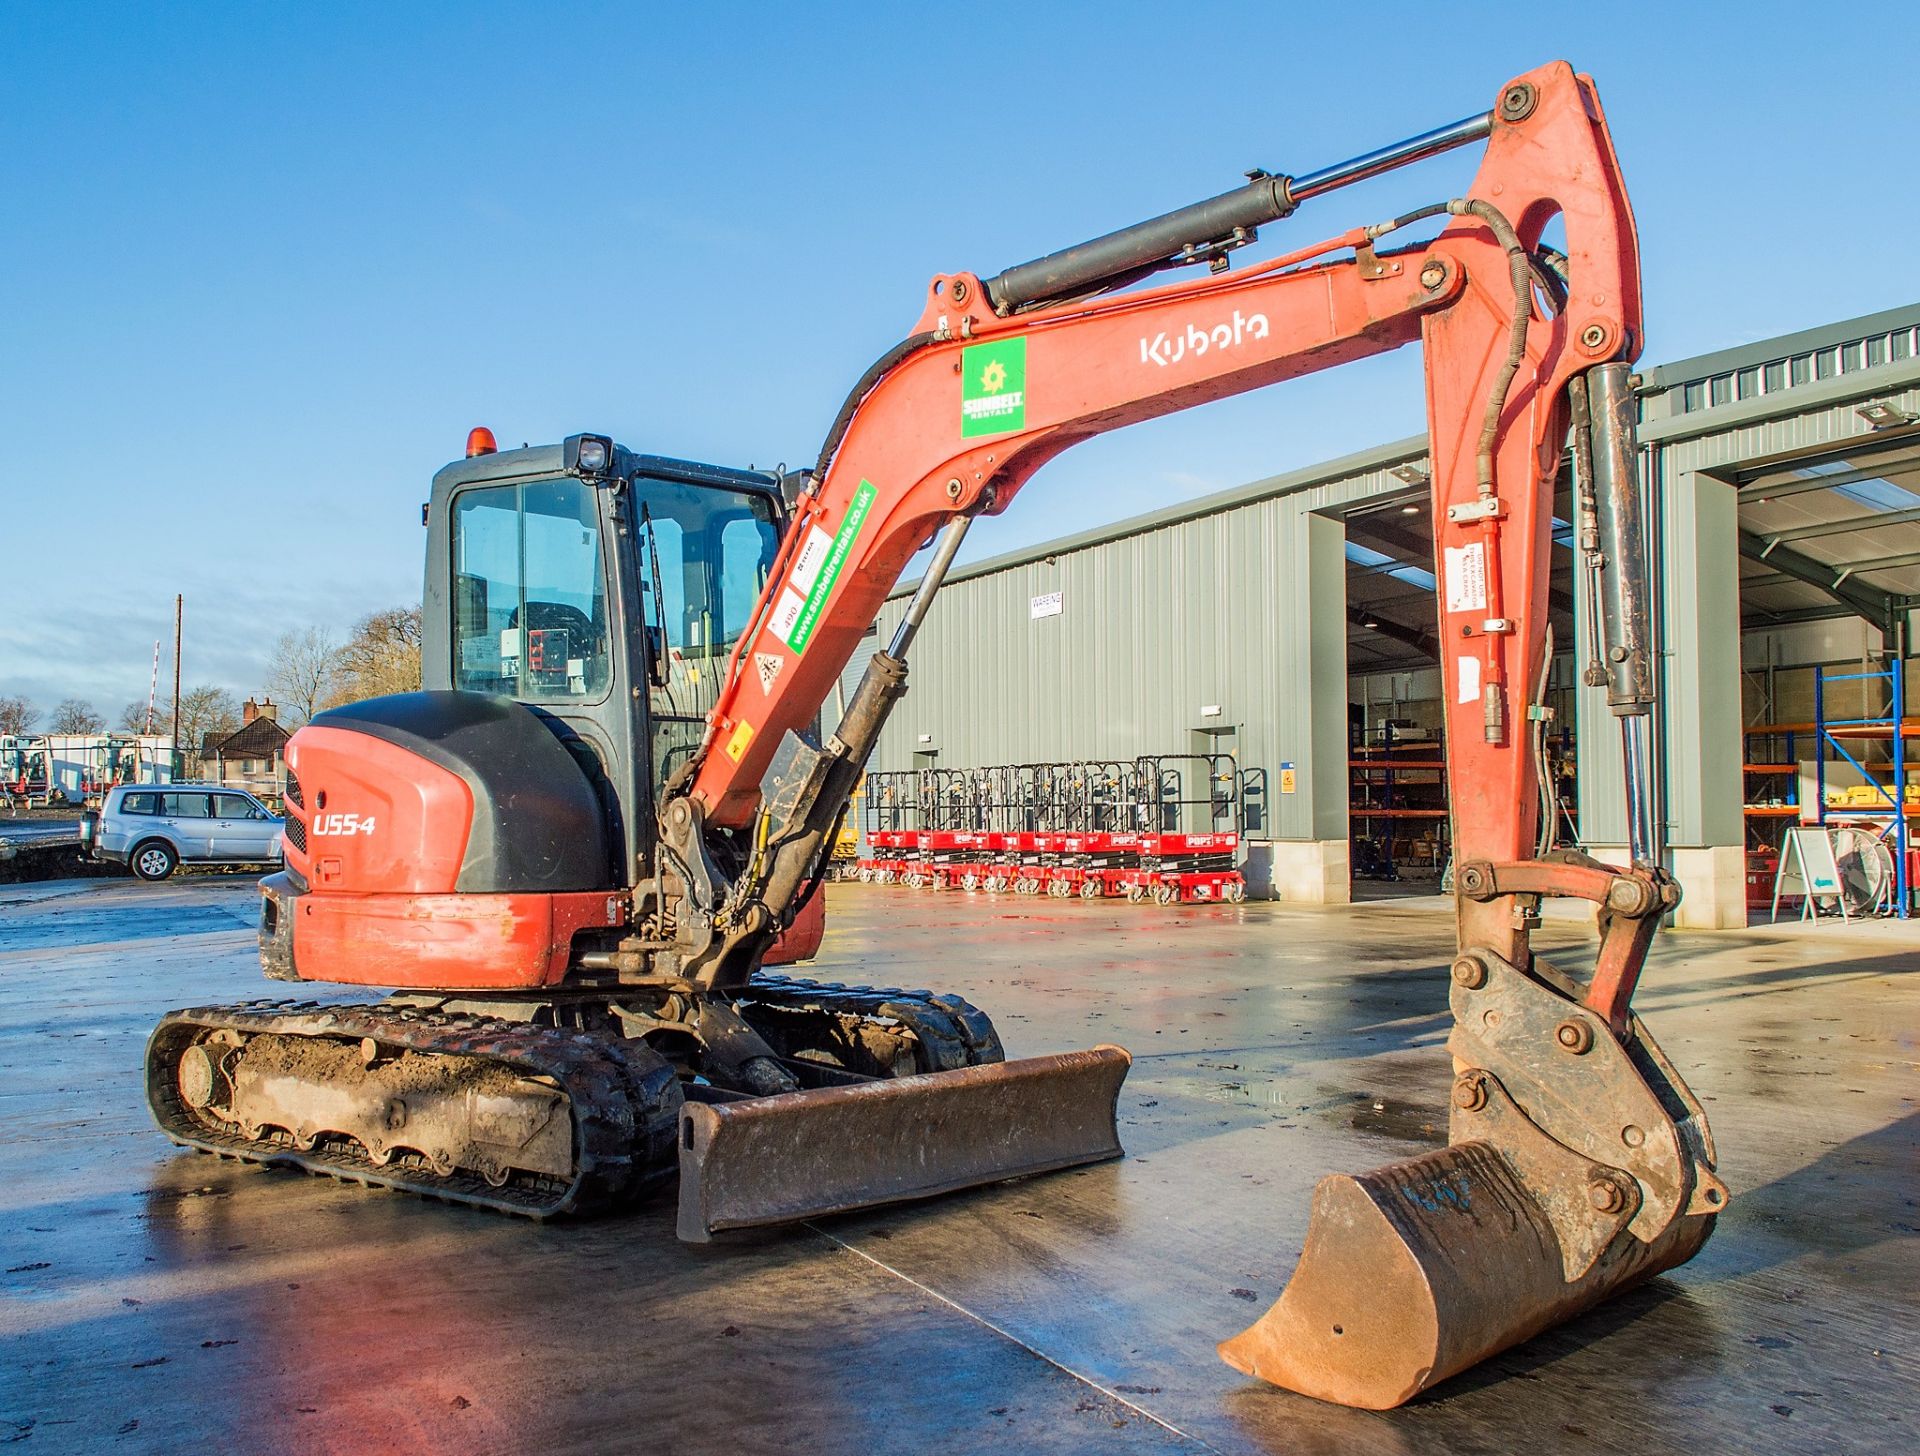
{"x":1578,"y":1163}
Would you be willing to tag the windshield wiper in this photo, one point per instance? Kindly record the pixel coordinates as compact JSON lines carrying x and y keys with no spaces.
{"x":659,"y":669}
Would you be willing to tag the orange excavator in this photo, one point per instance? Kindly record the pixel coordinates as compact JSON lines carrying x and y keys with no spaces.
{"x":574,"y":860}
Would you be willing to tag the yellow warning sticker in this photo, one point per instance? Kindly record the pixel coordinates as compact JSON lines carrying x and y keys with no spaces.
{"x":737,"y":744}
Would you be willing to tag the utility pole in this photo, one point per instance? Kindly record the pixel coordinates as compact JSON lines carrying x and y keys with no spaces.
{"x":179,"y":616}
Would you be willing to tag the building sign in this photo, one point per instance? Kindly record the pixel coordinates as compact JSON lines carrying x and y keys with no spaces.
{"x":1288,"y":782}
{"x":1046,"y":605}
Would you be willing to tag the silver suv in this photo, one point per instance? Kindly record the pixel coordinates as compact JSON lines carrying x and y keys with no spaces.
{"x":154,"y":828}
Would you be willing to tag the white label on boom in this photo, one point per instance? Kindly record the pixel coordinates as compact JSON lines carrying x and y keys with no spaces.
{"x":1467,"y":578}
{"x":786,"y":614}
{"x":809,"y":559}
{"x":1469,"y":678}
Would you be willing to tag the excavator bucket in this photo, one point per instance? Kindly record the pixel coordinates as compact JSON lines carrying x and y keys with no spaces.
{"x":1415,"y":1271}
{"x":1581,"y":1168}
{"x":801,"y":1155}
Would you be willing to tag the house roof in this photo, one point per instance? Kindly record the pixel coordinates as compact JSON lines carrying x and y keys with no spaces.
{"x":262,"y":738}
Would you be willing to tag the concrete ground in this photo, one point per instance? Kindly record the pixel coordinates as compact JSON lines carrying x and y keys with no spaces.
{"x":156,"y":1300}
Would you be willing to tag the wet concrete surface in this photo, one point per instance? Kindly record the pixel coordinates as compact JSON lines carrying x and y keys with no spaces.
{"x":156,"y":1300}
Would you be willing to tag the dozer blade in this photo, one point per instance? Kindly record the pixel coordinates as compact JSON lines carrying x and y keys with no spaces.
{"x":1417,"y":1270}
{"x":801,"y":1155}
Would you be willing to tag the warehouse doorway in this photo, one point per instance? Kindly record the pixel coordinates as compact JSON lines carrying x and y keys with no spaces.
{"x":1400,"y":830}
{"x":1398,"y":839}
{"x":1829,"y":541}
{"x":1218,"y":783}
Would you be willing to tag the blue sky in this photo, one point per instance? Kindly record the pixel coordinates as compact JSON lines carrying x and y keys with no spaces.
{"x":265,"y":265}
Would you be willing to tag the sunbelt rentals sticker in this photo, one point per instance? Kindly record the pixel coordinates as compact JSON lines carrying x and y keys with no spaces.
{"x":993,"y":387}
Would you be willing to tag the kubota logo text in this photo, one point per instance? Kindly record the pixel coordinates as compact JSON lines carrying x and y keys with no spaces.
{"x":324,"y":824}
{"x":1164,"y":348}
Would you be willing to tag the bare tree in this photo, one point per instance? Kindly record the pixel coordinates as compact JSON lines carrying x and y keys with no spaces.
{"x":304,"y":674}
{"x":382,"y":656}
{"x":133,"y":717}
{"x":17,"y":716}
{"x":75,"y":716}
{"x":205,"y":711}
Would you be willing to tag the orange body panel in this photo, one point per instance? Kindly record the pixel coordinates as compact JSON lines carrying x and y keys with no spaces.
{"x":385,"y":834}
{"x":382,"y":907}
{"x":377,"y":819}
{"x":800,"y":941}
{"x":445,"y":942}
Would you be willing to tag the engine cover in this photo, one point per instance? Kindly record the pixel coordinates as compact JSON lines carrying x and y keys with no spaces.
{"x":436,"y":792}
{"x":436,"y":839}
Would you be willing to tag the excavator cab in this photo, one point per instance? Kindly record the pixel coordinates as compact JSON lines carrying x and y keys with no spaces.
{"x":606,"y":596}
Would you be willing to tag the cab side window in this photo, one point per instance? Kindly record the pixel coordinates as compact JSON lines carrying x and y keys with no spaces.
{"x":188,"y":806}
{"x":530,"y":609}
{"x":140,"y":804}
{"x":233,"y":806}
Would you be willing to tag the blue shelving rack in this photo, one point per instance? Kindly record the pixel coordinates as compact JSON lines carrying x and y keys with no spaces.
{"x":1894,"y":805}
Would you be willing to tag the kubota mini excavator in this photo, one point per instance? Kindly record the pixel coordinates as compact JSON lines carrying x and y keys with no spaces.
{"x":576,"y":854}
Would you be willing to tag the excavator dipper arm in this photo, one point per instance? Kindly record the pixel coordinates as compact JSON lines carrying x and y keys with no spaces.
{"x":1578,"y":1162}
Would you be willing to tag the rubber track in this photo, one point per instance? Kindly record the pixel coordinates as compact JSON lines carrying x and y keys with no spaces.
{"x":955,"y":1032}
{"x":624,"y":1097}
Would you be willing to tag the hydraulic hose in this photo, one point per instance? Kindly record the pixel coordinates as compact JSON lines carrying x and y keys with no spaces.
{"x":876,"y":371}
{"x":1520,"y":269}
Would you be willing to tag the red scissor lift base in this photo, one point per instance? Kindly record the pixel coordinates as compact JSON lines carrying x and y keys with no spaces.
{"x":1185,"y":869}
{"x":896,"y":857}
{"x":954,"y":857}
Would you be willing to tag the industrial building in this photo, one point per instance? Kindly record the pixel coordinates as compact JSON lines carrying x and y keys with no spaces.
{"x":1290,"y":623}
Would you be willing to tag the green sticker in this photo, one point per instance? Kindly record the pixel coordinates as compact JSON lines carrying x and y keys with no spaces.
{"x":800,"y":631}
{"x":993,"y":387}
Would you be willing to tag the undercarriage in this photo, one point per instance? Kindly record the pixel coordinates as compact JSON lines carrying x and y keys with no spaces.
{"x":574,"y":1104}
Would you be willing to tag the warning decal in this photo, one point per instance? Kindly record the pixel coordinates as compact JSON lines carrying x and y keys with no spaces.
{"x":737,"y":744}
{"x":768,"y":665}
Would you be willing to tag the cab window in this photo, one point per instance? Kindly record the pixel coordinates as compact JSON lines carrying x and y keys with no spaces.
{"x":703,"y":558}
{"x":530,"y":609}
{"x":187,"y":806}
{"x":235,"y":806}
{"x":140,"y":804}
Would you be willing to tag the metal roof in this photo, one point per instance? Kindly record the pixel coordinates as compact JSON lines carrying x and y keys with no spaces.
{"x":1833,"y":527}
